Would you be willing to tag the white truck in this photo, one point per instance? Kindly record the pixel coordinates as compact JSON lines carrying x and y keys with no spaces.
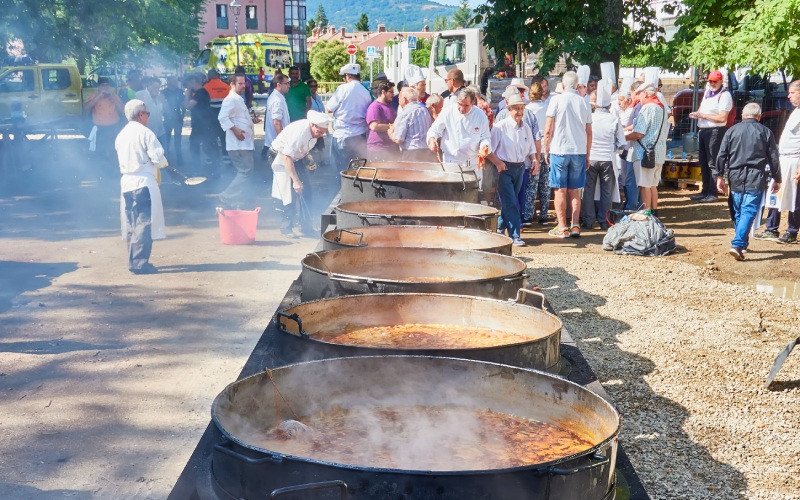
{"x":453,"y":49}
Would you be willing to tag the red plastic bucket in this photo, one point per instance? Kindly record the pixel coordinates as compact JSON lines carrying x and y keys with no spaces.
{"x":237,"y":227}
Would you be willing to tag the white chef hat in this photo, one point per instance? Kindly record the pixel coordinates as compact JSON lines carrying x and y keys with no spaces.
{"x":603,"y":93}
{"x":414,"y":74}
{"x":350,"y":69}
{"x":607,"y":72}
{"x":651,"y":75}
{"x":318,"y":119}
{"x":625,"y":86}
{"x":583,"y":75}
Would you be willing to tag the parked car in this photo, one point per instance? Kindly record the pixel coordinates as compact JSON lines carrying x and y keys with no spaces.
{"x":769,"y":91}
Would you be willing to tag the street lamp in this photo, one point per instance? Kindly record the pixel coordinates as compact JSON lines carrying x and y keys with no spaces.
{"x":236,"y":9}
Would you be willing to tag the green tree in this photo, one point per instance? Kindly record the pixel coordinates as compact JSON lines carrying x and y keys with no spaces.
{"x":321,"y":18}
{"x":327,"y":57}
{"x":128,"y":31}
{"x":588,"y":32}
{"x":363,"y":23}
{"x":462,"y":17}
{"x":310,"y":25}
{"x":763,"y":35}
{"x":422,"y":54}
{"x":440,"y":23}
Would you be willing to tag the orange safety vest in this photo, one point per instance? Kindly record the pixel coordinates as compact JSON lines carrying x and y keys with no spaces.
{"x":217,"y":91}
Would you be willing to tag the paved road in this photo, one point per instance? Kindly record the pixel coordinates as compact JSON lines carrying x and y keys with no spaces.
{"x":107,"y":378}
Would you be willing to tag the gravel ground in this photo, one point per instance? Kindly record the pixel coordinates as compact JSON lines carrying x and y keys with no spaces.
{"x":685,"y":356}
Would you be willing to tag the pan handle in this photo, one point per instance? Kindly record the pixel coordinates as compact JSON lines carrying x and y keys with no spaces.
{"x":602,"y":460}
{"x":339,"y":277}
{"x":324,"y":485}
{"x":254,"y":461}
{"x":376,"y":216}
{"x":358,"y":171}
{"x":354,"y":233}
{"x":294,"y":317}
{"x":484,"y":219}
{"x":522,"y":299}
{"x":356,"y":162}
{"x":515,"y":278}
{"x":463,"y":182}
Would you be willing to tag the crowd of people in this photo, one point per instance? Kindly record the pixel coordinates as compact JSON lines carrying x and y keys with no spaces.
{"x":586,"y":142}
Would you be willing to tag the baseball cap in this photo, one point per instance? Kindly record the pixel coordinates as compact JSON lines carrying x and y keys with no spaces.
{"x":714,"y":76}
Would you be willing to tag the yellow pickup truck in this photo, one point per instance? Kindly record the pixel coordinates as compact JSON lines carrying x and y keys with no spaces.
{"x":41,"y":97}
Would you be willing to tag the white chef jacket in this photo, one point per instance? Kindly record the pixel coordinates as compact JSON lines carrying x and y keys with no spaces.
{"x":349,"y":107}
{"x":156,"y":108}
{"x":713,"y":105}
{"x":276,"y":110}
{"x":512,"y":143}
{"x":463,"y":135}
{"x":607,"y":136}
{"x":234,"y":112}
{"x":789,"y":144}
{"x":570,"y":114}
{"x":140,"y":156}
{"x":295,"y":141}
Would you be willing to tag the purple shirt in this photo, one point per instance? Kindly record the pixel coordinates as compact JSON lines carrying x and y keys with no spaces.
{"x":383,"y":114}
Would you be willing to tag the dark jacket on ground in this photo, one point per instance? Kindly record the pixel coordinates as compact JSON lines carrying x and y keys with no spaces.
{"x":748,"y":149}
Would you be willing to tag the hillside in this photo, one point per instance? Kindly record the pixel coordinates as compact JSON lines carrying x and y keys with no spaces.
{"x":397,"y":15}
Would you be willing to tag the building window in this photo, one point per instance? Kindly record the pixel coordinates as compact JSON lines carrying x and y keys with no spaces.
{"x":295,"y":14}
{"x":250,"y":17}
{"x":295,"y":27}
{"x":222,"y":16}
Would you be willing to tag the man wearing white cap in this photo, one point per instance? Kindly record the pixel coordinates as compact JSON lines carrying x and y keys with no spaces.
{"x":607,"y":139}
{"x":584,"y":72}
{"x":514,"y":146}
{"x":290,"y":175}
{"x":567,"y":139}
{"x":349,"y":107}
{"x":463,"y":130}
{"x":415,"y":79}
{"x":411,"y":127}
{"x":649,"y":133}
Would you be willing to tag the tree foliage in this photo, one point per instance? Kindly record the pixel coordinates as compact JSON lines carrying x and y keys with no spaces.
{"x":310,"y":25}
{"x":587,"y":32}
{"x":462,"y":17}
{"x":363,"y":23}
{"x":763,"y":35}
{"x":327,"y":57}
{"x":440,"y":23}
{"x":320,"y":18}
{"x":128,"y":31}
{"x":422,"y":54}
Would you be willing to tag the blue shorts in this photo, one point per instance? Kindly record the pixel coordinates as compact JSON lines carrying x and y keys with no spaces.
{"x":567,"y":171}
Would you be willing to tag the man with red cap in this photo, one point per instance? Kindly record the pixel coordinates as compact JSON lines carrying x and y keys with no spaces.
{"x":712,"y":121}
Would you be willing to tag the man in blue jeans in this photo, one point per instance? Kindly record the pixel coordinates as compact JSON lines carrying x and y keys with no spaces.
{"x":512,"y":144}
{"x":749,"y":154}
{"x":567,"y":140}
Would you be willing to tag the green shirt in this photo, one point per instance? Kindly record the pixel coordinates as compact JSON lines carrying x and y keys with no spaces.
{"x":296,"y":101}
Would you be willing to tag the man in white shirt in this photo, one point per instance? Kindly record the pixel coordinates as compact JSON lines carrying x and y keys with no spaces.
{"x":464,"y":132}
{"x":140,"y":156}
{"x":411,"y":127}
{"x":567,"y":139}
{"x":235,"y":120}
{"x":712,"y":121}
{"x":276,"y":117}
{"x":789,"y":199}
{"x":349,"y":108}
{"x":607,"y":139}
{"x":513,"y":144}
{"x":156,"y":104}
{"x":290,"y":176}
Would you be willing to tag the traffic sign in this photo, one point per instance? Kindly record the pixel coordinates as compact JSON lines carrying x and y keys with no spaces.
{"x":412,"y":42}
{"x":352,"y":49}
{"x":371,"y":52}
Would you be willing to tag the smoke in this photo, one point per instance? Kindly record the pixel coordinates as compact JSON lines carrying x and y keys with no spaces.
{"x":406,"y":413}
